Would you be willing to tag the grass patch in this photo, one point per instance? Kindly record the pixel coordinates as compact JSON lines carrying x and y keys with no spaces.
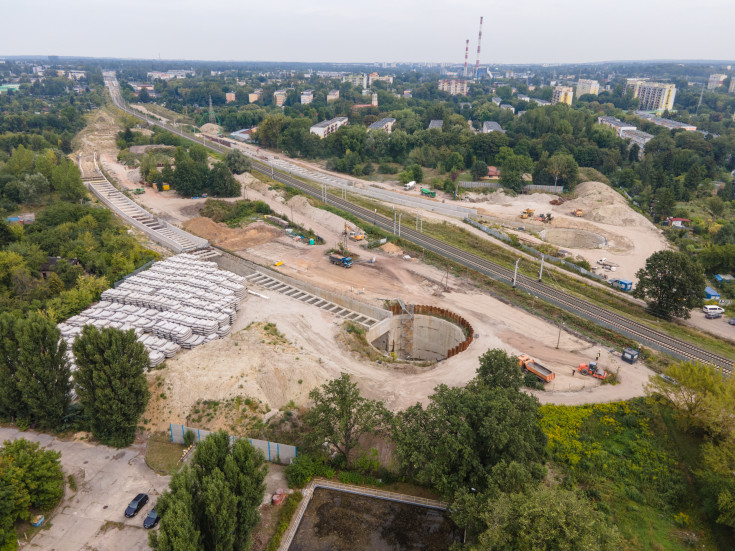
{"x":162,"y":455}
{"x":288,"y":509}
{"x":589,"y":174}
{"x":354,"y":336}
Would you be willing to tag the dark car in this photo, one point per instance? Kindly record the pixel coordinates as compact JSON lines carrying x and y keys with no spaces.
{"x":732,"y":321}
{"x":151,"y":520}
{"x":712,"y":315}
{"x":136,"y":505}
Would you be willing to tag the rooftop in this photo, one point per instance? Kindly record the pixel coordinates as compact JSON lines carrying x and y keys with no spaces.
{"x":325,"y":124}
{"x":436,"y":124}
{"x":377,"y":125}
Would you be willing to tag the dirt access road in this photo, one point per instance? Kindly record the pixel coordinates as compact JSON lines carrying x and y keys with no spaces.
{"x":92,"y":518}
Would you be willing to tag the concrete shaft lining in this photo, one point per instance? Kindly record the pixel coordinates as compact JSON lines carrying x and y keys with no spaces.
{"x":416,"y":336}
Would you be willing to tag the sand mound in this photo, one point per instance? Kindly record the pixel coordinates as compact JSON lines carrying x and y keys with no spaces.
{"x":211,"y":128}
{"x":390,"y":248}
{"x":234,"y":239}
{"x":601,"y":203}
{"x":331,"y":221}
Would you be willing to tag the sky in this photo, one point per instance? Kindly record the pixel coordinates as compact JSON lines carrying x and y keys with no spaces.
{"x":516,"y":31}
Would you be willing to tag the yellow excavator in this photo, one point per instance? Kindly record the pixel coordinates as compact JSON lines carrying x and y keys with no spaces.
{"x":577,"y":212}
{"x":527,"y":213}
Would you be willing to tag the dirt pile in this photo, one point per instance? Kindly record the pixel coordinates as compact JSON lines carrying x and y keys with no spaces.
{"x":334,"y":223}
{"x":601,"y":203}
{"x":234,"y":239}
{"x":210,"y":128}
{"x":390,"y":248}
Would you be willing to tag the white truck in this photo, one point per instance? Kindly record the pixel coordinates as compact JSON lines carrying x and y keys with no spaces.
{"x":409,"y":186}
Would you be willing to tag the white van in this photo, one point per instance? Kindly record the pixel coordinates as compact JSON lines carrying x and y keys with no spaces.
{"x":712,"y":309}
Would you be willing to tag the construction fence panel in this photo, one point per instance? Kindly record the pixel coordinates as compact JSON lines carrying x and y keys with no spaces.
{"x":274,"y":452}
{"x":480,"y":185}
{"x":530,"y":188}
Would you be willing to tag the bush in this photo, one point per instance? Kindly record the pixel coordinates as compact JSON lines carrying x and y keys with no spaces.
{"x":304,"y":468}
{"x":287,"y":512}
{"x":352,"y":477}
{"x":189,"y":438}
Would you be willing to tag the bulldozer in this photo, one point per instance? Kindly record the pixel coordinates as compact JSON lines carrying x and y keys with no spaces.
{"x":577,"y":212}
{"x":527,"y":213}
{"x":592,"y":369}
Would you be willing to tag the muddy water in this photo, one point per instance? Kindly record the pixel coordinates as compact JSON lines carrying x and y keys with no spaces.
{"x":339,"y":521}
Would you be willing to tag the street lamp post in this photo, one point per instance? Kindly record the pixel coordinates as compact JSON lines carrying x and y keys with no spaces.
{"x":559,"y":337}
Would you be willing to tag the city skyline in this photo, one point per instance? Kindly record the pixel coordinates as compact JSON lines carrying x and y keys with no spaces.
{"x":528,"y":32}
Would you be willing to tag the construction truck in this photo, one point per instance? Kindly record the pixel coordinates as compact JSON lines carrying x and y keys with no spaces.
{"x":428,"y":192}
{"x":530,"y":365}
{"x":578,"y":212}
{"x":409,"y":186}
{"x":545,"y":217}
{"x":138,"y":191}
{"x":339,"y":260}
{"x":527,"y":213}
{"x":593,"y":370}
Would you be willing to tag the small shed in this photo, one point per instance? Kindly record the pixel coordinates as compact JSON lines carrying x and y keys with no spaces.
{"x":630,"y":355}
{"x":711,"y":294}
{"x":625,"y":285}
{"x":724,"y":277}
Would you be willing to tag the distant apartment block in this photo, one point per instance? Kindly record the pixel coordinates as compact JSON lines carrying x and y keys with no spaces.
{"x":356,"y":80}
{"x":255,"y":95}
{"x":616,"y":124}
{"x":325,"y":128}
{"x":230,"y":97}
{"x":76,"y":75}
{"x":333,"y":95}
{"x":652,"y":96}
{"x":562,"y":94}
{"x":715,"y":80}
{"x":279,"y":97}
{"x":307,"y":96}
{"x":374,"y":99}
{"x":508,"y":107}
{"x":438,"y":124}
{"x":375,"y":77}
{"x":491,"y":126}
{"x":383,"y":124}
{"x":541,"y":102}
{"x":666,"y":123}
{"x":585,"y":86}
{"x":454,"y":86}
{"x":168,"y":75}
{"x":523,"y":97}
{"x":497,"y":101}
{"x":731,"y":90}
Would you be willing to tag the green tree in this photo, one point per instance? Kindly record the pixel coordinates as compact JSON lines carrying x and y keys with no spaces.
{"x":237,"y":162}
{"x":547,"y":519}
{"x":45,"y":163}
{"x":43,"y":374}
{"x":665,"y":202}
{"x":499,"y":370}
{"x":221,"y":182}
{"x":340,"y":415}
{"x":478,"y":170}
{"x":110,"y":382}
{"x":671,"y":284}
{"x":11,"y":401}
{"x":67,"y":180}
{"x":563,"y":170}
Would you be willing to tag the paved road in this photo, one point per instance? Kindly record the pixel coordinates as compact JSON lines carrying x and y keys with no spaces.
{"x":107,"y":479}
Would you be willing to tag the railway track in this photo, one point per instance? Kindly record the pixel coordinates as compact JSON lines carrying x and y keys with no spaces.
{"x":610,"y":319}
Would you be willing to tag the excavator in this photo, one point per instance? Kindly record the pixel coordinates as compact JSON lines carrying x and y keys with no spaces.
{"x":578,"y":213}
{"x":526,"y":213}
{"x":592,"y":369}
{"x":354,"y":234}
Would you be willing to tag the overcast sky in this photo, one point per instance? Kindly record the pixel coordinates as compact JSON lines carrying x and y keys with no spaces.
{"x":514,"y":31}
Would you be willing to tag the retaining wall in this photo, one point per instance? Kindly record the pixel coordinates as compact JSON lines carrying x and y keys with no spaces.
{"x":416,"y":336}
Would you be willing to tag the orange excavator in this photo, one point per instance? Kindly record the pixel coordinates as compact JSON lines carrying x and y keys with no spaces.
{"x":593,"y":370}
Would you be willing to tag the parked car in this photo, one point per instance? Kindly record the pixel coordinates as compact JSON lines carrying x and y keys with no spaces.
{"x":713,"y":315}
{"x":151,"y":520}
{"x":732,"y":321}
{"x":136,"y":505}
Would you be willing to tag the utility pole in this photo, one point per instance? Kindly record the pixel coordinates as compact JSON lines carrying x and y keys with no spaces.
{"x":395,"y":216}
{"x":515,"y":273}
{"x":559,"y":337}
{"x":541,"y":270}
{"x":399,"y":224}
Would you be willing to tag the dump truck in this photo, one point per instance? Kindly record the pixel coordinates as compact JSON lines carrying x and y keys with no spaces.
{"x":428,"y":192}
{"x":592,"y":369}
{"x":339,"y":260}
{"x":526,"y":213}
{"x":530,"y":365}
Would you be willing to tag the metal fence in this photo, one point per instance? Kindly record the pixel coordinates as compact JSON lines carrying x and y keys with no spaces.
{"x":475,"y":185}
{"x":530,"y":188}
{"x":273,"y":451}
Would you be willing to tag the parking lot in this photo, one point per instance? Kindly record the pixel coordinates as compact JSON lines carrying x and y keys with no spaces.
{"x":92,"y":518}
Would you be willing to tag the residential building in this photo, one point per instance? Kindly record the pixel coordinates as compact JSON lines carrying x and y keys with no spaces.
{"x":325,"y":128}
{"x":383,"y":124}
{"x":508,"y":107}
{"x":562,"y":94}
{"x":408,"y":94}
{"x":138,"y":86}
{"x":230,"y":97}
{"x":333,"y":95}
{"x":455,"y":86}
{"x":279,"y":97}
{"x":374,"y":99}
{"x":76,"y":75}
{"x":307,"y":96}
{"x":255,"y":95}
{"x":356,"y":80}
{"x":5,"y":88}
{"x":541,"y":102}
{"x":493,"y":172}
{"x":168,"y":75}
{"x":715,"y":80}
{"x":666,"y":123}
{"x":491,"y":126}
{"x":652,"y":96}
{"x":438,"y":124}
{"x":638,"y":137}
{"x":523,"y":97}
{"x":731,"y":90}
{"x":497,"y":101}
{"x":615,"y":124}
{"x":585,"y":86}
{"x":375,"y":76}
